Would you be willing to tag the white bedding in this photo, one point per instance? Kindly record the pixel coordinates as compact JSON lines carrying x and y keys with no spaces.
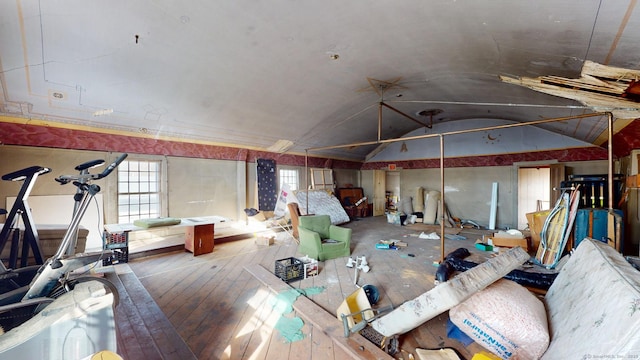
{"x":322,"y":203}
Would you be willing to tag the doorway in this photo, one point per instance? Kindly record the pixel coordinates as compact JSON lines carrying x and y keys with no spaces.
{"x":393,"y":189}
{"x":537,"y":189}
{"x":534,"y":192}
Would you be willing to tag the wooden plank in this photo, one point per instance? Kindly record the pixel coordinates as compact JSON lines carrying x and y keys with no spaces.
{"x":609,"y":72}
{"x":163,"y":341}
{"x":355,"y":345}
{"x":220,"y":307}
{"x":584,"y":84}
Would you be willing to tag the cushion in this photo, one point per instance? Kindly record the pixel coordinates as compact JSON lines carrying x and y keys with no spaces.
{"x":506,"y":319}
{"x":155,"y":222}
{"x":316,"y":223}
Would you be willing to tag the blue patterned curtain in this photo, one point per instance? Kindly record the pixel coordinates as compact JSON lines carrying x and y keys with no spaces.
{"x":267,"y":184}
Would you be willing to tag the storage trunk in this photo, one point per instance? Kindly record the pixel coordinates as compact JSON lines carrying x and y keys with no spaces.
{"x":592,"y":223}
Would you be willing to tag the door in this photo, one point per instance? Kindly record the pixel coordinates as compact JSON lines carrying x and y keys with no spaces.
{"x":533,"y":192}
{"x":556,"y":176}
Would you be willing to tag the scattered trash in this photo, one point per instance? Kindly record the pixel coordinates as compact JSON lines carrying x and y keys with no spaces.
{"x":432,"y":235}
{"x":382,"y":246}
{"x":484,"y":247}
{"x":390,"y":244}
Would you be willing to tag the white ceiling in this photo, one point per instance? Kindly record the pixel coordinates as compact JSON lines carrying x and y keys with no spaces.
{"x":250,"y":73}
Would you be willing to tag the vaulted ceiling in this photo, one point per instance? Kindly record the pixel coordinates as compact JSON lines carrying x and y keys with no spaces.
{"x":297,"y":75}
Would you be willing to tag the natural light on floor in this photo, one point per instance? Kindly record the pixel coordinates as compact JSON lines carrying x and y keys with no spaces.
{"x":262,"y":321}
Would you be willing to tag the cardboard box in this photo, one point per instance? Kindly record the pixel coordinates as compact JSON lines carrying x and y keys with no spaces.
{"x":536,"y":222}
{"x":510,"y":242}
{"x":265,"y":240}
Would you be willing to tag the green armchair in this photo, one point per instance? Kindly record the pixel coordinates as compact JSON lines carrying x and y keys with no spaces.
{"x":315,"y":230}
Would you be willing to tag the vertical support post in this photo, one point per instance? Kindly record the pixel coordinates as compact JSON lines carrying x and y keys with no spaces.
{"x":306,"y":179}
{"x":612,"y":234}
{"x":379,"y":120}
{"x":494,"y":206}
{"x":610,"y":160}
{"x":442,"y":198}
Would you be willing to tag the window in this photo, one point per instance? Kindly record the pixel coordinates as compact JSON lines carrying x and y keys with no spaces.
{"x":139,"y":190}
{"x":289,"y":177}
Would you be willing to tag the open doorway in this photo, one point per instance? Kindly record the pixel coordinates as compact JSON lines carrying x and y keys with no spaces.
{"x":536,"y":189}
{"x":392,"y":192}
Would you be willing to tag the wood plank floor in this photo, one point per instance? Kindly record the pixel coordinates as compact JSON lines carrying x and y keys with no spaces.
{"x":220,"y":311}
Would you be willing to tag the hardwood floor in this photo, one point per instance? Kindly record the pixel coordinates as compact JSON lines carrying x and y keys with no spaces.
{"x":177,"y":306}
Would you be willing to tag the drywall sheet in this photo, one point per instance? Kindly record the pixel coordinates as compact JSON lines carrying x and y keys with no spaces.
{"x":58,"y":209}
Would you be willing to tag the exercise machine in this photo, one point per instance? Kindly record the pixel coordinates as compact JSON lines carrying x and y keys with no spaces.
{"x":58,"y":274}
{"x":19,"y":210}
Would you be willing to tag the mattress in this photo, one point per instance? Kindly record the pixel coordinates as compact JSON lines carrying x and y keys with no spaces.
{"x":593,"y":306}
{"x":322,"y":203}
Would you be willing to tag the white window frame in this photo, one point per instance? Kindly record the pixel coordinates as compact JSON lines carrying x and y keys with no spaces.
{"x":286,"y":173}
{"x":112,"y":213}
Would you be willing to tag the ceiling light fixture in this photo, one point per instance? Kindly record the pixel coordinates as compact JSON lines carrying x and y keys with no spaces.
{"x":403,"y":148}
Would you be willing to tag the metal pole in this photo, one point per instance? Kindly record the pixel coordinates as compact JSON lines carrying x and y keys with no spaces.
{"x":442,"y":198}
{"x":405,"y":115}
{"x":306,"y":178}
{"x":610,"y":160}
{"x":506,"y":126}
{"x":379,"y":120}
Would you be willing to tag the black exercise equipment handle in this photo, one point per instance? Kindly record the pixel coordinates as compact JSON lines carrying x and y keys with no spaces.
{"x":65,"y":179}
{"x":112,"y":166}
{"x":89,"y":164}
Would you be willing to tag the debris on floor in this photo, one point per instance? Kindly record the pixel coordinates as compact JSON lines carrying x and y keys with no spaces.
{"x":438,"y":354}
{"x":454,"y":237}
{"x":441,"y":298}
{"x":432,"y":236}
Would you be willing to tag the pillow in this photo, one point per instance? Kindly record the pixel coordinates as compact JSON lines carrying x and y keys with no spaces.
{"x":149,"y":223}
{"x":506,"y":319}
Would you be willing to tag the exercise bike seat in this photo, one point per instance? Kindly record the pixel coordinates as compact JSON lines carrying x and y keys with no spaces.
{"x":24,"y":173}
